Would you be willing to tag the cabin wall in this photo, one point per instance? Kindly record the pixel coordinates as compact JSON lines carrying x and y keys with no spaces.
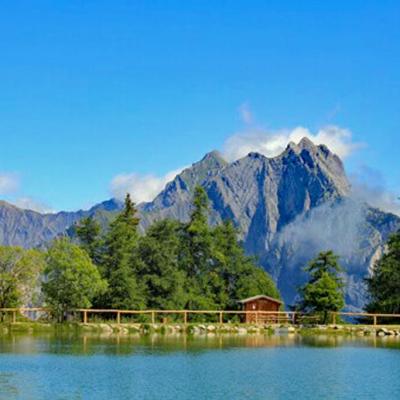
{"x":261,"y":305}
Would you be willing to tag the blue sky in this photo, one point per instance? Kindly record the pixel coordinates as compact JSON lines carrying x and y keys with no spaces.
{"x":90,"y":90}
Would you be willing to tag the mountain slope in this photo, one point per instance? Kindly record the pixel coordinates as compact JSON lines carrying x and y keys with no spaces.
{"x":28,"y":228}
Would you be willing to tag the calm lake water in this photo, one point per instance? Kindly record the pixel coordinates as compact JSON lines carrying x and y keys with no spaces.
{"x":169,"y":367}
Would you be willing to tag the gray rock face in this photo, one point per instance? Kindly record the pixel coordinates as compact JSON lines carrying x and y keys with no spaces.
{"x":28,"y":228}
{"x":286,"y":208}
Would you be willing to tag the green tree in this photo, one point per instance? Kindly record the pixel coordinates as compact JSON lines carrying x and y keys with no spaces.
{"x":240,"y":275}
{"x":255,"y":281}
{"x":88,"y":231}
{"x":19,"y":273}
{"x":71,"y":279}
{"x":197,"y":255}
{"x":157,"y":263}
{"x":384,"y":284}
{"x":324,"y":291}
{"x":121,"y":240}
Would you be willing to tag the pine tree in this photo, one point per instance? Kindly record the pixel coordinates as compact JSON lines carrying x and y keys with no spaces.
{"x":120,"y":242}
{"x":88,"y":232}
{"x":197,"y":254}
{"x":324,"y":291}
{"x":157,"y":263}
{"x":384,"y":285}
{"x":239,"y":273}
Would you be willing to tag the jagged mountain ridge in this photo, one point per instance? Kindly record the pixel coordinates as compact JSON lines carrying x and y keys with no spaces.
{"x":28,"y":228}
{"x":286,"y":208}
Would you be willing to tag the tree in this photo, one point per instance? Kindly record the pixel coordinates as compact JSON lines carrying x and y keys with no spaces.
{"x":71,"y":279}
{"x":384,"y":284}
{"x":239,"y":273}
{"x":255,"y":281}
{"x":88,"y":231}
{"x":120,"y":243}
{"x":157,"y":263}
{"x":197,"y":255}
{"x":324,"y":291}
{"x":19,"y":273}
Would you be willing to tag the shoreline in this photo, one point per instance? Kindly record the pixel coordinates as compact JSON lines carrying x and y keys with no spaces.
{"x":127,"y":329}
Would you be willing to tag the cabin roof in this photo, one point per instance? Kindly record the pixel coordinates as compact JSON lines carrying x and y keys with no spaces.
{"x":260,"y":296}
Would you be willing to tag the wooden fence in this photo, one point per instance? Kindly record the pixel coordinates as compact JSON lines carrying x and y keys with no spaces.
{"x":372,"y":316}
{"x":257,"y":317}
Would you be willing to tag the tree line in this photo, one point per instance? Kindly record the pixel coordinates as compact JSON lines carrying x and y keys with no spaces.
{"x":173,"y":265}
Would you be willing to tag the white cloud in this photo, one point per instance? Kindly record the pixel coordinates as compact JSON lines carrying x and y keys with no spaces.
{"x":272,"y":143}
{"x":27,"y":203}
{"x":368,"y":185}
{"x":9,"y":183}
{"x":140,"y":187}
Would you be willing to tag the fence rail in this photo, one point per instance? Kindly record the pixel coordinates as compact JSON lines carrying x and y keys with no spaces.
{"x":257,"y":317}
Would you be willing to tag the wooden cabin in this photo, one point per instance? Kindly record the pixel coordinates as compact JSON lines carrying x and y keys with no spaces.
{"x":261,"y":303}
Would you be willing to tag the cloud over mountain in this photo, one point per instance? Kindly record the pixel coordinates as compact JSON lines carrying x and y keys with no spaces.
{"x":141,"y":187}
{"x":28,"y":203}
{"x":272,"y":143}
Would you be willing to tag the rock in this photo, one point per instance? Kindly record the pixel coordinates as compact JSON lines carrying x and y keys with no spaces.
{"x":211,"y":328}
{"x":195,"y":330}
{"x":242,"y":331}
{"x":106,"y":328}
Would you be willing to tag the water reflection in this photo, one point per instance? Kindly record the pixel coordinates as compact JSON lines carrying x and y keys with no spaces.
{"x":120,"y":345}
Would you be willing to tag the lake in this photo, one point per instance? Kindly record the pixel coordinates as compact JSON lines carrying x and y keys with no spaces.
{"x":205,"y":367}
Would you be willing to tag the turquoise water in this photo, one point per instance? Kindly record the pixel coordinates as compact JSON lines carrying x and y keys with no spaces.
{"x":157,"y":367}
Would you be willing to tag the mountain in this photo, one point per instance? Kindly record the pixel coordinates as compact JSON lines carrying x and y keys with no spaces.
{"x":286,"y":208}
{"x":27,"y":228}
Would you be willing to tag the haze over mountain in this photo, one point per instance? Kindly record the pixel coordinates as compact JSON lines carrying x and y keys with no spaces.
{"x":287,"y":208}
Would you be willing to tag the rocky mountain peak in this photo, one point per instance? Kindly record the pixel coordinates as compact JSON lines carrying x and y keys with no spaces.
{"x":214,"y":157}
{"x":306,"y":143}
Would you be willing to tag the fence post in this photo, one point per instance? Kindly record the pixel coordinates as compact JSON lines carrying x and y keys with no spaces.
{"x":118,"y":318}
{"x":14,"y":320}
{"x":221,"y":319}
{"x":257,"y":317}
{"x":375,"y":320}
{"x":334,"y":318}
{"x":185,"y":317}
{"x":85,"y":317}
{"x":153,"y":317}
